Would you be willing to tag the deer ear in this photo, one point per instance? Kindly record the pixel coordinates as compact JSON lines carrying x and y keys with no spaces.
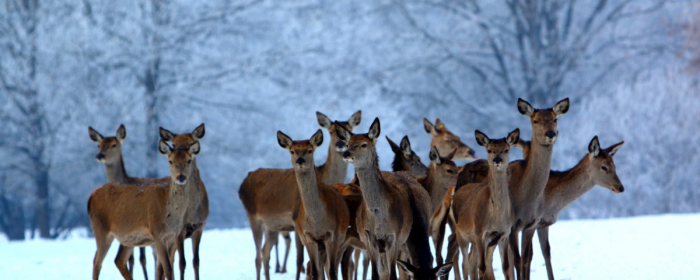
{"x":283,"y":140}
{"x":443,"y":270}
{"x":613,"y":149}
{"x":355,"y":119}
{"x":198,"y":132}
{"x":94,"y":135}
{"x":525,"y":108}
{"x":164,"y":148}
{"x":394,"y":148}
{"x":481,"y":138}
{"x":434,"y":155}
{"x":561,"y":107}
{"x":406,"y":146}
{"x":166,"y":135}
{"x":439,"y":126}
{"x":451,"y":155}
{"x":407,"y":267}
{"x":195,"y":148}
{"x":374,"y":130}
{"x":317,"y":139}
{"x":343,"y":133}
{"x":323,"y":120}
{"x":513,"y":137}
{"x":429,"y":128}
{"x":594,"y":146}
{"x":121,"y":133}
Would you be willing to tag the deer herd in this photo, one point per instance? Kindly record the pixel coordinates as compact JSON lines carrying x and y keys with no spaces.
{"x":388,"y":218}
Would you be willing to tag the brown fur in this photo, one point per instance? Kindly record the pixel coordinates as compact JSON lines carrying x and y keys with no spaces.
{"x":197,"y":213}
{"x":271,"y":198}
{"x":153,"y":214}
{"x":482,"y":212}
{"x":446,"y":141}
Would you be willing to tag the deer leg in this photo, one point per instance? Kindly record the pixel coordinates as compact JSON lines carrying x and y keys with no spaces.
{"x":453,"y":254}
{"x":543,"y":235}
{"x":346,"y":264}
{"x":438,"y":240}
{"x":270,"y":240}
{"x":526,"y":257}
{"x":488,"y":258}
{"x":130,"y":264}
{"x":277,"y":255}
{"x":142,"y":260}
{"x":513,"y":240}
{"x":365,"y":264}
{"x":180,"y":247}
{"x":103,"y":242}
{"x":300,"y":254}
{"x":164,"y":259}
{"x":196,"y":240}
{"x":506,"y":258}
{"x":480,"y":257}
{"x":257,"y":229}
{"x":123,"y":255}
{"x":287,"y":243}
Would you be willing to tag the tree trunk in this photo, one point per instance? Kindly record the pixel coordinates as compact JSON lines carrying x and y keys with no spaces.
{"x":43,"y":208}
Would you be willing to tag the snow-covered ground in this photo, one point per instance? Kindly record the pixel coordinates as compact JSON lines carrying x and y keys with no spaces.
{"x":656,"y":247}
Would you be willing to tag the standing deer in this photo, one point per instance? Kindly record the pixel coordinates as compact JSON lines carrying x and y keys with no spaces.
{"x":446,"y":141}
{"x":152,"y":214}
{"x":198,"y":211}
{"x":405,"y":159}
{"x":394,"y":214}
{"x":110,"y":154}
{"x":564,"y":187}
{"x":529,"y":177}
{"x":323,"y":217}
{"x":271,"y":197}
{"x":482,"y":212}
{"x":442,"y":174}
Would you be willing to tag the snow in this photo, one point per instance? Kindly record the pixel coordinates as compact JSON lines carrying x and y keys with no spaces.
{"x":651,"y":247}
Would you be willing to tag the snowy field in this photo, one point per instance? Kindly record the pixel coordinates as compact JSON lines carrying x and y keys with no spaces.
{"x":656,"y":247}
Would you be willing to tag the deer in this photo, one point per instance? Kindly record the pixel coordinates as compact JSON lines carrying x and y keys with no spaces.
{"x":144,"y":215}
{"x":527,"y":178}
{"x":564,"y":187}
{"x":446,"y":141}
{"x":198,"y":211}
{"x":442,"y":174}
{"x":110,"y":154}
{"x":323,"y":217}
{"x":405,"y":159}
{"x":394,"y":214}
{"x":271,"y":197}
{"x":483,"y":213}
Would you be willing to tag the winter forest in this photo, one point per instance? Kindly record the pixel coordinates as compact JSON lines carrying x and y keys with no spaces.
{"x":249,"y":68}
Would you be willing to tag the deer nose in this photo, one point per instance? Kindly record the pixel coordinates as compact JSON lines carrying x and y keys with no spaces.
{"x":622,"y":188}
{"x":181,"y":178}
{"x":340,"y":144}
{"x":497,"y":160}
{"x":550,"y":134}
{"x":100,"y":156}
{"x":472,"y":153}
{"x":300,"y":161}
{"x":346,"y":154}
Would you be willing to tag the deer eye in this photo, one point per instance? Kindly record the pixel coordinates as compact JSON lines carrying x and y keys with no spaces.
{"x":535,"y":122}
{"x":310,"y":151}
{"x":489,"y":151}
{"x":506,"y":151}
{"x":114,"y":145}
{"x":292,"y":152}
{"x":450,"y":171}
{"x":364,"y":145}
{"x":604,"y":168}
{"x":189,"y":161}
{"x":555,"y":120}
{"x":170,"y":161}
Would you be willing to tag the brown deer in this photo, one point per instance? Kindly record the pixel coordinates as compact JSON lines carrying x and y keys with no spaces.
{"x":529,"y":177}
{"x":198,"y":211}
{"x":442,"y":174}
{"x":110,"y":154}
{"x":446,"y":141}
{"x":323,"y":217}
{"x":271,"y":197}
{"x":152,"y":214}
{"x":564,"y":187}
{"x":395,"y":210}
{"x":405,"y":159}
{"x":482,"y":211}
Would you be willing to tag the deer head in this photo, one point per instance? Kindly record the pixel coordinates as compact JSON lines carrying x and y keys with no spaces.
{"x":443,"y":167}
{"x":497,"y":149}
{"x":424,"y":274}
{"x":602,"y":167}
{"x":109,"y":149}
{"x":544,"y":121}
{"x":180,"y":160}
{"x":409,"y":160}
{"x":326,"y":123}
{"x":446,"y":141}
{"x":302,"y":151}
{"x":361,"y":148}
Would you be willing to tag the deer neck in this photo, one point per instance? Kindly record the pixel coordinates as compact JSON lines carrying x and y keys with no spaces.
{"x":309,"y":193}
{"x":436,"y":188}
{"x":537,"y":171}
{"x":116,"y":173}
{"x":335,"y":169}
{"x":373,"y":187}
{"x":567,"y":186}
{"x":500,"y":194}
